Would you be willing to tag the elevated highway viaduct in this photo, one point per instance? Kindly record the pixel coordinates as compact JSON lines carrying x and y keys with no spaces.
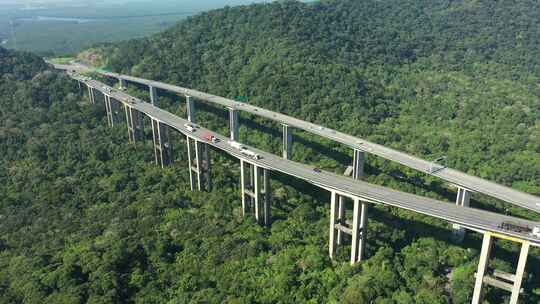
{"x":256,"y":198}
{"x":466,"y":183}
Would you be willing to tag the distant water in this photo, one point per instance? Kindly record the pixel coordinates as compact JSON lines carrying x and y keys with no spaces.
{"x":66,"y":19}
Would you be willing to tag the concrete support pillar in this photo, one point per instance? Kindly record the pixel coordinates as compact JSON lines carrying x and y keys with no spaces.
{"x":516,"y":287}
{"x":357,"y":173}
{"x":487,"y":244}
{"x":134,"y":124}
{"x":190,"y":109}
{"x":233,"y":123}
{"x":287,"y":141}
{"x":109,"y":109}
{"x":463,"y":199}
{"x":499,"y":279}
{"x":122,"y":83}
{"x":357,"y":229}
{"x":80,"y":87}
{"x":333,"y":222}
{"x":91,"y":95}
{"x":199,"y":165}
{"x":256,"y":192}
{"x":340,"y":218}
{"x":162,"y":144}
{"x":358,"y":164}
{"x":153,"y":95}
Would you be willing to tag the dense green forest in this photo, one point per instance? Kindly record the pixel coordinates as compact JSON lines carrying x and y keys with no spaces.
{"x":458,"y":78}
{"x":88,"y":218}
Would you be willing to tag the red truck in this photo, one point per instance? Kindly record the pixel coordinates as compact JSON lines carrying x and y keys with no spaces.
{"x":210,"y":137}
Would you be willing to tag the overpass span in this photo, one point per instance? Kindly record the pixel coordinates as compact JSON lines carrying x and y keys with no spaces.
{"x":256,"y":198}
{"x":465,"y":182}
{"x":471,"y":218}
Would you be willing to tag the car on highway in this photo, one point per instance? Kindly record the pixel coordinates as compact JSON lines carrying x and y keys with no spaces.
{"x":318,"y":170}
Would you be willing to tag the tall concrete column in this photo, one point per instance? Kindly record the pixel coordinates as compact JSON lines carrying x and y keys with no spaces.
{"x":190,"y":109}
{"x":516,"y":288}
{"x":358,"y":164}
{"x":256,"y":192}
{"x":287,"y":141}
{"x":233,"y":123}
{"x":333,"y":222}
{"x":243,"y":187}
{"x":122,"y":83}
{"x":134,"y":124}
{"x":115,"y":110}
{"x":91,"y":95}
{"x":153,"y":95}
{"x":108,"y":108}
{"x":80,"y":87}
{"x":357,"y":173}
{"x":162,"y":144}
{"x":340,"y":218}
{"x":362,"y":243}
{"x":463,"y":200}
{"x":496,"y":278}
{"x":487,"y":244}
{"x":357,"y":228}
{"x":267,"y":198}
{"x":199,"y":165}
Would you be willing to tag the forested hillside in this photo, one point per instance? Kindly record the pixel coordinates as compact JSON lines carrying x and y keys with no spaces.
{"x":88,"y":218}
{"x":458,"y":78}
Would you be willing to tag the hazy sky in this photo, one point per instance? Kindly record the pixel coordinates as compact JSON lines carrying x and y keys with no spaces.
{"x":105,"y":2}
{"x":28,"y":6}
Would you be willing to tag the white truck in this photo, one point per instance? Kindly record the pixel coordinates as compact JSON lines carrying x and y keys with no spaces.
{"x":235,"y":144}
{"x":536,"y":232}
{"x":250,"y":153}
{"x":243,"y":149}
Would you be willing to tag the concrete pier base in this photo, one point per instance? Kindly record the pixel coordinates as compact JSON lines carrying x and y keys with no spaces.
{"x":162,"y":144}
{"x":357,"y":228}
{"x":463,"y":200}
{"x":499,"y":279}
{"x":199,"y":165}
{"x":287,"y":141}
{"x":256,"y":192}
{"x":134,"y":124}
{"x":233,"y":123}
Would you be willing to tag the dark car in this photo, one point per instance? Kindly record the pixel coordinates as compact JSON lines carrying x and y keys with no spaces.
{"x":318,"y":170}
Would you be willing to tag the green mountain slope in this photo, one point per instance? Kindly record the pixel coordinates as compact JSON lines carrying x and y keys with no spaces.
{"x":88,"y":218}
{"x":456,"y":78}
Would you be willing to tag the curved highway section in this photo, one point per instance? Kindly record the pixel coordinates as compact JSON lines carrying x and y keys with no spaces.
{"x":470,"y":218}
{"x":452,"y":176}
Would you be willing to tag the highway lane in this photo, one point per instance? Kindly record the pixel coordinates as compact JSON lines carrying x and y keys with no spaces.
{"x":470,"y":218}
{"x":453,"y":176}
